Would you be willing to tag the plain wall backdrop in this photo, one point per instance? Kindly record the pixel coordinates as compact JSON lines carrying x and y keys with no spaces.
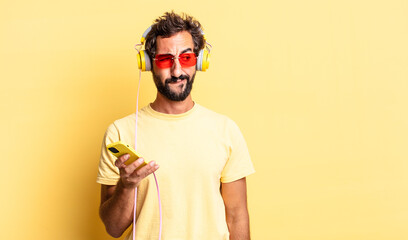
{"x":318,"y":88}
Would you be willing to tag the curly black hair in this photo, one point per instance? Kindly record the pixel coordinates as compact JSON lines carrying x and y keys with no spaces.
{"x":171,"y":23}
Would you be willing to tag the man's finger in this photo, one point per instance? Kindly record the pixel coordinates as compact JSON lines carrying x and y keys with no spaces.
{"x":131,"y":168}
{"x":146,"y":170}
{"x":121,"y":160}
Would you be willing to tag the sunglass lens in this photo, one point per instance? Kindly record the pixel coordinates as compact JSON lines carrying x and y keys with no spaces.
{"x":187,"y":59}
{"x":164,"y":60}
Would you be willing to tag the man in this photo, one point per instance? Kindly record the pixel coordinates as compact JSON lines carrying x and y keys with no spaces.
{"x":203,"y":156}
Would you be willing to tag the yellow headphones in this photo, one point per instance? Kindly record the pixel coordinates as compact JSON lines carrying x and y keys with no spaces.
{"x":144,"y":63}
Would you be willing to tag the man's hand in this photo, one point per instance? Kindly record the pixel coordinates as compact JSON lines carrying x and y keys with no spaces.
{"x":128,"y":176}
{"x":116,"y":209}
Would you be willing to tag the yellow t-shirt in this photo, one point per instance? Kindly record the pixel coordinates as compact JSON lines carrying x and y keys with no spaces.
{"x":196,"y":151}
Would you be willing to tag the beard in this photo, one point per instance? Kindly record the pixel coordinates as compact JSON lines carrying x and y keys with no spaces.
{"x":166,"y":91}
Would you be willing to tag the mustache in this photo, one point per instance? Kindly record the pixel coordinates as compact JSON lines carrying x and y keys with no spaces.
{"x":175,"y":79}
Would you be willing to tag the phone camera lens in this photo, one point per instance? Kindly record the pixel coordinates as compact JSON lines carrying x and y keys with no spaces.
{"x":114,"y":150}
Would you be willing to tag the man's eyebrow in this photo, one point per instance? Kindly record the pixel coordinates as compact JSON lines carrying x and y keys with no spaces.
{"x":186,"y":50}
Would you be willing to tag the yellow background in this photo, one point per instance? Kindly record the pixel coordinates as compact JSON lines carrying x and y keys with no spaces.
{"x":318,"y":88}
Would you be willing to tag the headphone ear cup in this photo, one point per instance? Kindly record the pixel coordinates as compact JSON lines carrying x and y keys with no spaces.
{"x":148,"y":63}
{"x":199,"y":60}
{"x":143,"y":61}
{"x":203,"y":61}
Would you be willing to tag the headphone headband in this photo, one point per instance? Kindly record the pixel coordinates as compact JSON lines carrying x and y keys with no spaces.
{"x":145,"y":34}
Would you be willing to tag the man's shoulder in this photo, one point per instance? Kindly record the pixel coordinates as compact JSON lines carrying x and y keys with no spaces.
{"x":124,"y":121}
{"x":211,"y":115}
{"x":204,"y":111}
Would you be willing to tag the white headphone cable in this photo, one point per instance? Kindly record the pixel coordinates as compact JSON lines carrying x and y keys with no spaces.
{"x":155,"y":178}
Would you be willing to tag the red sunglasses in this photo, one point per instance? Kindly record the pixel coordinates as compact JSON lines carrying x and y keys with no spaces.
{"x":167,"y":60}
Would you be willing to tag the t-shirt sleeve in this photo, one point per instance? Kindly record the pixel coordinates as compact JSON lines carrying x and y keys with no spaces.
{"x":108,"y":173}
{"x":239,"y":163}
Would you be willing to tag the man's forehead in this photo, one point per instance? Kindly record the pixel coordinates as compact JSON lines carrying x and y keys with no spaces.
{"x":176,"y":43}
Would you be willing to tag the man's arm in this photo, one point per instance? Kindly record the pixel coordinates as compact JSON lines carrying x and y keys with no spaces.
{"x":235,"y":200}
{"x":116,"y":209}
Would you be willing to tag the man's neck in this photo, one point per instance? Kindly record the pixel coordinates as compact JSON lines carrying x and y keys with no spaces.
{"x":164,"y":105}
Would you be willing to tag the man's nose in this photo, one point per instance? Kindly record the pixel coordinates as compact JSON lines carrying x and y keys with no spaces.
{"x":176,"y":68}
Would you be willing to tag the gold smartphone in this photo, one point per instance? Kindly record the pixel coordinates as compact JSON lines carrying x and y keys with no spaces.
{"x":120,"y":148}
